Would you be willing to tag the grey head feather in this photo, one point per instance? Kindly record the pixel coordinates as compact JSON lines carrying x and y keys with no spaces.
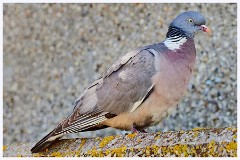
{"x":189,"y":22}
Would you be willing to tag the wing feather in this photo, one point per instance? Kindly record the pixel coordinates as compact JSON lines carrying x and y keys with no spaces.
{"x":110,"y":95}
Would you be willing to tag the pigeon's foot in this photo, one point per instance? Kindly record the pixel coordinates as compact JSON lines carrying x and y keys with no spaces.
{"x":135,"y":130}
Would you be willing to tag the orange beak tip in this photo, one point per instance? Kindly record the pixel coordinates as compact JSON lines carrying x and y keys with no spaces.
{"x":209,"y":32}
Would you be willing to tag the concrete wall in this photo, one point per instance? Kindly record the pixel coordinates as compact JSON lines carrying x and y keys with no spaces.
{"x":215,"y":142}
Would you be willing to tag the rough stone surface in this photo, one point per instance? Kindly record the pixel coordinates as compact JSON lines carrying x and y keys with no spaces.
{"x":216,"y":142}
{"x":53,"y":51}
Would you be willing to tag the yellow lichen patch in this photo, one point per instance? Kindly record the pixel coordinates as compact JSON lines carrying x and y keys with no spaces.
{"x":156,"y":138}
{"x":181,"y":150}
{"x":175,"y":149}
{"x":98,"y":138}
{"x":154,"y":149}
{"x":131,"y":135}
{"x":231,"y":146}
{"x":181,"y":131}
{"x":4,"y":148}
{"x":37,"y":155}
{"x":100,"y":154}
{"x":232,"y":129}
{"x":184,"y":150}
{"x":117,"y":136}
{"x":70,"y":154}
{"x":192,"y":151}
{"x":56,"y":154}
{"x":89,"y":152}
{"x":195,"y":134}
{"x":119,"y":152}
{"x":197,"y":129}
{"x":212,"y":147}
{"x":107,"y":151}
{"x":148,"y":151}
{"x":139,"y":140}
{"x":122,"y":145}
{"x":83,"y":141}
{"x":131,"y":149}
{"x":105,"y":141}
{"x":75,"y":154}
{"x":95,"y":153}
{"x":164,"y":150}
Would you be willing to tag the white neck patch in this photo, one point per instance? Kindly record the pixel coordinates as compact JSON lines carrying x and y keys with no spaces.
{"x":170,"y":44}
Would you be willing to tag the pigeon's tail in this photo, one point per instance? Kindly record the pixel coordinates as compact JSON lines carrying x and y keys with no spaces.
{"x":45,"y":142}
{"x":87,"y":122}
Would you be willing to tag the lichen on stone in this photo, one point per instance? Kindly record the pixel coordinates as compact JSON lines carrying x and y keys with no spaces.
{"x":105,"y":141}
{"x":131,"y":135}
{"x":4,"y":148}
{"x":56,"y":154}
{"x":83,"y":141}
{"x":119,"y":152}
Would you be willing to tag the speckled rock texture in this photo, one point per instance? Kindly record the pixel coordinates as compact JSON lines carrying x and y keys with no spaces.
{"x":216,"y":142}
{"x":53,"y":51}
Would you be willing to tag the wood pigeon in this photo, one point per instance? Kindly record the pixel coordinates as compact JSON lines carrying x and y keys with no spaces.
{"x":141,"y":88}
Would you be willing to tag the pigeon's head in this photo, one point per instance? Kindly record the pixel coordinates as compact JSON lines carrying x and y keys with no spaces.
{"x":190,"y":23}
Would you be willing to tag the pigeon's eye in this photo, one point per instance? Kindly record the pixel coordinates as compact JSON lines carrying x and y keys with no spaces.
{"x":190,"y":20}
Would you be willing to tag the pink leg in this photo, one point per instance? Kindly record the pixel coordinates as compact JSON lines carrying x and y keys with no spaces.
{"x":134,"y":130}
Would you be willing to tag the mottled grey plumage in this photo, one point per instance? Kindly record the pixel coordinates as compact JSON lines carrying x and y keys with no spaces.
{"x":138,"y":90}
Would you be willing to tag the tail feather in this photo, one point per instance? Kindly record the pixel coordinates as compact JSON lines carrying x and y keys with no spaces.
{"x":45,"y":142}
{"x":87,"y":122}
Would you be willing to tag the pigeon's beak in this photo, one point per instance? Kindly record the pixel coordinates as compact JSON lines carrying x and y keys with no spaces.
{"x":206,"y":29}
